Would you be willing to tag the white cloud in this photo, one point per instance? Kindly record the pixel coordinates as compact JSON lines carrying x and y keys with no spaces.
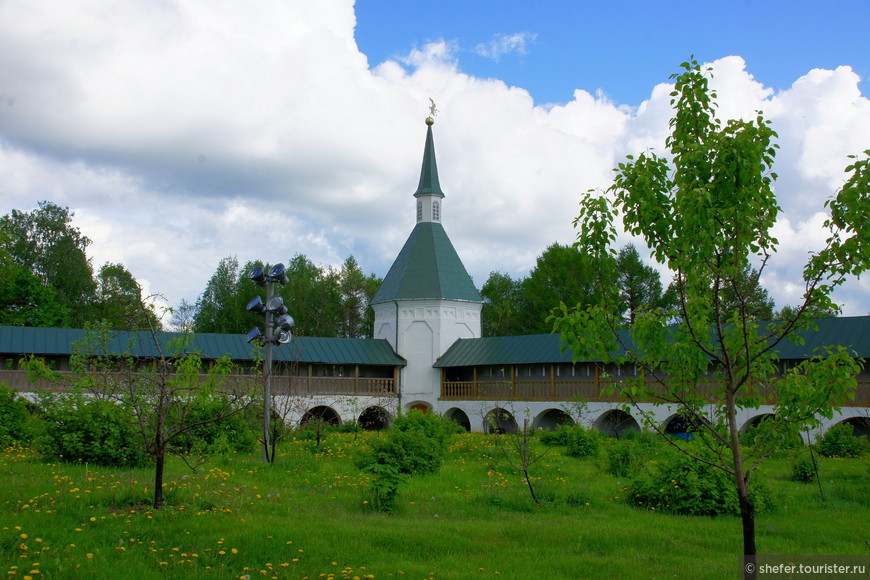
{"x":502,"y":44}
{"x":182,"y":133}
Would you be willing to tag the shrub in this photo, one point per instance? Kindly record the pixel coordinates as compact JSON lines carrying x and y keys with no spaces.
{"x":582,"y":442}
{"x":14,"y":417}
{"x":687,"y":486}
{"x":623,"y":459}
{"x":840,"y":441}
{"x":91,"y":431}
{"x":558,"y":437}
{"x":803,"y":469}
{"x":415,"y":443}
{"x":235,"y":433}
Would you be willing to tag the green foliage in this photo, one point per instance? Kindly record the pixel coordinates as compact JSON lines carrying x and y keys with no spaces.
{"x":624,"y":458}
{"x":840,"y":441}
{"x":686,"y":486}
{"x":89,"y":430}
{"x":415,"y":443}
{"x":804,"y":469}
{"x":215,"y":432}
{"x":15,"y":417}
{"x":119,"y":300}
{"x":558,"y":437}
{"x":386,"y":483}
{"x":582,"y":442}
{"x":706,"y":210}
{"x":44,"y":242}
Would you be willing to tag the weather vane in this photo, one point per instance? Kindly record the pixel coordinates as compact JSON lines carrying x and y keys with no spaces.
{"x":432,"y":110}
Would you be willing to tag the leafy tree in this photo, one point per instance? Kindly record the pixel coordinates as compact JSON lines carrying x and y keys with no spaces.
{"x":45,"y":242}
{"x":312,"y":296}
{"x":706,"y":215}
{"x":640,"y":286}
{"x":562,"y":275}
{"x":745,"y":296}
{"x":119,"y":300}
{"x":357,"y":319}
{"x":501,"y":296}
{"x":221,"y":307}
{"x":24,"y":300}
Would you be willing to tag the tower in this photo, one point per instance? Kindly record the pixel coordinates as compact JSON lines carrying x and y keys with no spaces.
{"x":427,"y":300}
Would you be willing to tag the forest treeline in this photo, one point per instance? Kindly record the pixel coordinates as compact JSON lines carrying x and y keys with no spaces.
{"x":47,"y":279}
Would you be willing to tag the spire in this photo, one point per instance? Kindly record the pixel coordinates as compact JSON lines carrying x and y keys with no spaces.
{"x":429,"y":184}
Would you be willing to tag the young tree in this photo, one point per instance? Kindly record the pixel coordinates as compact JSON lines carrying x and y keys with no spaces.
{"x":162,"y":395}
{"x":707,"y":214}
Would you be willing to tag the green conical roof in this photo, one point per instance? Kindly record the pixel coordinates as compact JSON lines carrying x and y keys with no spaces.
{"x":429,"y":173}
{"x":427,"y":267}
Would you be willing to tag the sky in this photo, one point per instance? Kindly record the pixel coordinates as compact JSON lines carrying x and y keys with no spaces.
{"x":182,"y":132}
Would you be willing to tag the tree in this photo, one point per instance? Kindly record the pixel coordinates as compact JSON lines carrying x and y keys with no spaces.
{"x":24,"y":300}
{"x":44,"y":242}
{"x":357,"y":319}
{"x":501,"y":295}
{"x":221,"y":306}
{"x":562,"y":274}
{"x":164,"y":397}
{"x":744,"y":293}
{"x":707,"y":215}
{"x":640,"y":286}
{"x":119,"y":300}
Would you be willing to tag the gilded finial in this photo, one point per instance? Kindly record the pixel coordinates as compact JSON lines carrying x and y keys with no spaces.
{"x":430,"y":120}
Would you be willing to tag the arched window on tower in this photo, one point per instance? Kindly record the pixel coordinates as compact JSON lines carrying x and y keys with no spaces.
{"x":436,"y":211}
{"x":419,"y":210}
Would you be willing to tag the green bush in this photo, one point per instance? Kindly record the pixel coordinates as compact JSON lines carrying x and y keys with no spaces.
{"x":623,"y":459}
{"x":415,"y":443}
{"x":803,"y":469}
{"x":235,"y":433}
{"x":94,"y":431}
{"x":840,"y":441}
{"x":558,"y":437}
{"x":14,"y":417}
{"x":687,"y":486}
{"x":582,"y":442}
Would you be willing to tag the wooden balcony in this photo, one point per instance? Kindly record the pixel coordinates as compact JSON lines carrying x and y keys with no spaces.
{"x":281,"y":384}
{"x":568,"y":389}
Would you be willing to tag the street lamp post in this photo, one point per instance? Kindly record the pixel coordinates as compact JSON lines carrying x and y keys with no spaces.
{"x":277,"y":332}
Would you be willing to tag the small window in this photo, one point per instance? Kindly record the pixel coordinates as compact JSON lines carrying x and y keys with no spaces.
{"x":436,"y":211}
{"x":419,"y":210}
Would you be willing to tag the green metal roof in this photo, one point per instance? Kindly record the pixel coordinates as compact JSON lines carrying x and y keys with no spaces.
{"x":429,"y":173}
{"x":427,"y":267}
{"x":16,"y":340}
{"x":850,"y":332}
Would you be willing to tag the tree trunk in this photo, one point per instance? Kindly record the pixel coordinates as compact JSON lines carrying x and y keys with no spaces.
{"x":159,"y":461}
{"x":747,"y":516}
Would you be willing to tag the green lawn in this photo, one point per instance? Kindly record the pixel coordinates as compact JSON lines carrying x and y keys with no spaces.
{"x":307,"y":517}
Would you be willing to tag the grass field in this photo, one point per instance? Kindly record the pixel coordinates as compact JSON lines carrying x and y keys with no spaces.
{"x":307,"y":517}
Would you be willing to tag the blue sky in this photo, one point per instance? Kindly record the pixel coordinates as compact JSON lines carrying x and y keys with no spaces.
{"x":182,"y":132}
{"x":621,"y":47}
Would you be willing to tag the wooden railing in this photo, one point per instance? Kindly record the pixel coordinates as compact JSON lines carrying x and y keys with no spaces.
{"x":281,"y":385}
{"x":592,"y":390}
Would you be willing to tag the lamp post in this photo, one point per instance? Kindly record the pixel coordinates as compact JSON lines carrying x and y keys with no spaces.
{"x":277,"y":332}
